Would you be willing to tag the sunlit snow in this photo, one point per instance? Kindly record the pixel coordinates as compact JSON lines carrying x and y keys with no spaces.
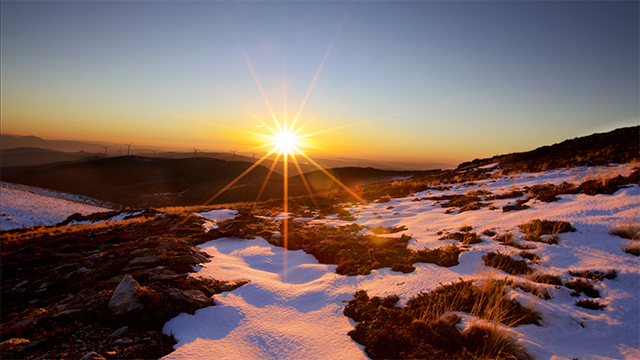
{"x":297,"y":312}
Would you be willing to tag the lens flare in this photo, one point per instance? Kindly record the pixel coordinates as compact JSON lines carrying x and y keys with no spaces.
{"x":285,"y":142}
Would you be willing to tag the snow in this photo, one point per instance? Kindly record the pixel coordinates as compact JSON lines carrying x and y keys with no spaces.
{"x":293,"y":305}
{"x":23,"y":206}
{"x":215,"y":216}
{"x":219,"y":215}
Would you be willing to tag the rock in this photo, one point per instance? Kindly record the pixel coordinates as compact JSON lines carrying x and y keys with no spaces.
{"x":201,"y":257}
{"x":119,"y":332}
{"x":233,"y":284}
{"x":124,"y":342}
{"x":144,"y":260}
{"x":123,"y":299}
{"x":92,"y":355}
{"x":67,"y":312}
{"x":168,"y":277}
{"x":34,"y":345}
{"x":193,"y":297}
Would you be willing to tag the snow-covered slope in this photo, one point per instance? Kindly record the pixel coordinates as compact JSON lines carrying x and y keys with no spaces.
{"x":23,"y":206}
{"x":292,"y":308}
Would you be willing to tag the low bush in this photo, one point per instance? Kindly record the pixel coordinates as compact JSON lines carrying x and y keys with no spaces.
{"x":445,"y":257}
{"x":506,"y":264}
{"x":581,"y":286}
{"x":489,"y":233}
{"x":595,"y":275}
{"x":629,"y":231}
{"x":529,"y":256}
{"x":423,"y":329}
{"x":537,"y":228}
{"x":507,"y":240}
{"x":534,"y":290}
{"x":546,"y":279}
{"x":590,"y":304}
{"x":467,"y":238}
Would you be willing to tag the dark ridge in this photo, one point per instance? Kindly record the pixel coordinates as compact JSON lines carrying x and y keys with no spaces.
{"x":617,"y":146}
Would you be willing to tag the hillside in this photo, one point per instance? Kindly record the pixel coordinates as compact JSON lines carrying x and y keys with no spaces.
{"x":617,"y":147}
{"x":139,"y":181}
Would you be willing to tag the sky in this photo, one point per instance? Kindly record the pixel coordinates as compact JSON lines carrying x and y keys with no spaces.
{"x":388,"y":80}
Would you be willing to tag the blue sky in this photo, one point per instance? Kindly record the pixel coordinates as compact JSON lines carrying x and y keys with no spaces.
{"x":464,"y":79}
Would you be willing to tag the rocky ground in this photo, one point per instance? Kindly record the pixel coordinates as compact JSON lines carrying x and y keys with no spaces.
{"x":103,"y":290}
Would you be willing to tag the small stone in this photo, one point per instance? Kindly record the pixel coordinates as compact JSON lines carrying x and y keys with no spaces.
{"x":123,"y":299}
{"x":193,"y":297}
{"x":123,"y":342}
{"x":119,"y":332}
{"x":92,"y":355}
{"x":143,"y":260}
{"x":233,"y":284}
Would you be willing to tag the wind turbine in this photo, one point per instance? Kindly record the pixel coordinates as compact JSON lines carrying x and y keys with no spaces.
{"x":254,"y":157}
{"x":234,"y":154}
{"x":128,"y":149}
{"x":105,"y":150}
{"x":195,"y":151}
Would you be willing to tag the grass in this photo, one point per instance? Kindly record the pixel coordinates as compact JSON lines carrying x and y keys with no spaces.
{"x":629,"y":231}
{"x":506,"y":263}
{"x":445,"y":257}
{"x":507,"y":240}
{"x":590,"y":304}
{"x":489,"y":233}
{"x":426,"y":326}
{"x":546,"y":279}
{"x":595,"y":275}
{"x":581,"y":286}
{"x":536,"y":229}
{"x":529,"y":256}
{"x":467,"y":238}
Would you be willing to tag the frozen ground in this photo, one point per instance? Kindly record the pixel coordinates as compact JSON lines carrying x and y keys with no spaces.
{"x":23,"y":206}
{"x":292,"y":308}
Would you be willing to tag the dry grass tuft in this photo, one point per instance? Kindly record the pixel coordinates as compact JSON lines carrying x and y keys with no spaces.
{"x":590,"y":304}
{"x":630,"y":231}
{"x":507,"y":240}
{"x":546,"y":279}
{"x":536,"y":229}
{"x":506,"y":263}
{"x":425,"y":328}
{"x":487,"y":341}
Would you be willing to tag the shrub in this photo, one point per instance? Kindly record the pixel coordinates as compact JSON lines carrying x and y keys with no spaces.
{"x":506,"y":263}
{"x":580,"y":286}
{"x":489,"y":233}
{"x":632,"y":248}
{"x":538,"y":228}
{"x":630,"y":231}
{"x":595,"y":275}
{"x":534,"y":290}
{"x":546,"y":279}
{"x":465,"y":238}
{"x":425,"y":328}
{"x":442,"y":257}
{"x":488,"y":342}
{"x":507,"y":240}
{"x":530,"y":256}
{"x":590,"y":304}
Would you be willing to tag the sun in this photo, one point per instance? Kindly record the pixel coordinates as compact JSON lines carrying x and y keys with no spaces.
{"x":285,"y":142}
